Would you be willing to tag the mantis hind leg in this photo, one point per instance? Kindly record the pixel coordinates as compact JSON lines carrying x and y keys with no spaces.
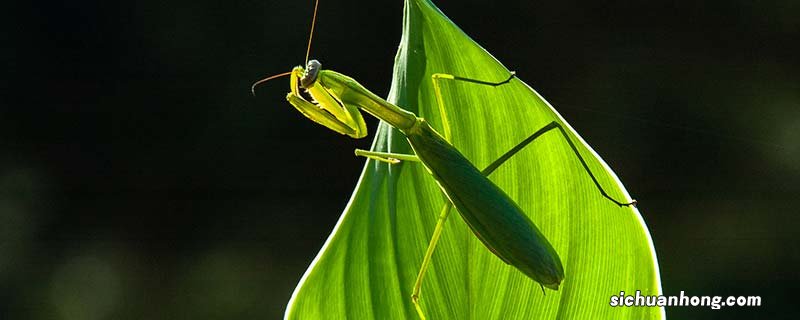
{"x":550,"y":126}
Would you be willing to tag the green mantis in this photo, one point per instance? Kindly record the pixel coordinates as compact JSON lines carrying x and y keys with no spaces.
{"x":495,"y":219}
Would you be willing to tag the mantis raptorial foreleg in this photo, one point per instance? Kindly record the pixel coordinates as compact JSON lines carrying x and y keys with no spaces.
{"x":394,"y":158}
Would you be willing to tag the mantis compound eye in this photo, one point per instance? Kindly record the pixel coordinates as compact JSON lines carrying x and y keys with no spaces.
{"x":310,"y":76}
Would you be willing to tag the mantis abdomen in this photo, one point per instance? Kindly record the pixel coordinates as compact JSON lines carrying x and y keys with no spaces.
{"x":490,"y":213}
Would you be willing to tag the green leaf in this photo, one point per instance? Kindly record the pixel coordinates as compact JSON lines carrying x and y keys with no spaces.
{"x":367,"y":267}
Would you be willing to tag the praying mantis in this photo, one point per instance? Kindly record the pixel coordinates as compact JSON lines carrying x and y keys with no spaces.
{"x":494,"y":218}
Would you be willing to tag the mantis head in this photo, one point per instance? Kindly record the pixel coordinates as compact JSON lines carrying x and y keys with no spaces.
{"x":307,"y":76}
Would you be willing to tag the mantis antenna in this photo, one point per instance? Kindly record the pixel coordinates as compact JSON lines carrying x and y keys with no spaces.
{"x":308,"y":52}
{"x":255,"y":84}
{"x":311,"y":33}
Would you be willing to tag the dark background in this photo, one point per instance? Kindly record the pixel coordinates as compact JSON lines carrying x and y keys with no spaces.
{"x":140,"y":179}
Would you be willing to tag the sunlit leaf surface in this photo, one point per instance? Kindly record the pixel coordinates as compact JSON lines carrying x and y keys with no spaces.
{"x":366,"y":269}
